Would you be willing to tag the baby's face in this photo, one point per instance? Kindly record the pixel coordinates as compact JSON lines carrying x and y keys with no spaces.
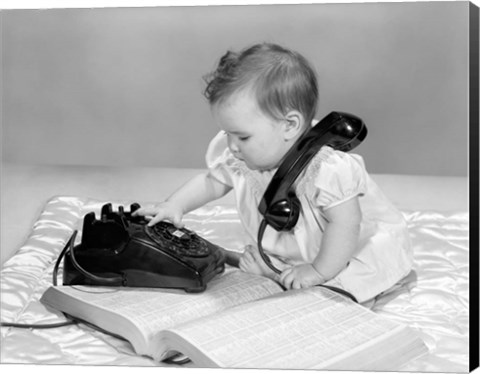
{"x":253,"y":137}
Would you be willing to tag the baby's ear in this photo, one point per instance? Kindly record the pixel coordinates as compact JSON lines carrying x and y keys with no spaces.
{"x":294,"y":123}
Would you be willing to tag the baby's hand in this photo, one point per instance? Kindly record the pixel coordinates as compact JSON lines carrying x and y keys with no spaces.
{"x":301,"y":276}
{"x":161,"y":212}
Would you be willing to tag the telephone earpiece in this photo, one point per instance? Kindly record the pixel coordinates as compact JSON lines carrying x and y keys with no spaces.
{"x":280,"y":206}
{"x":282,"y":215}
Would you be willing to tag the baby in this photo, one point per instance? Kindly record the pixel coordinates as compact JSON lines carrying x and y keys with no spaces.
{"x":348,"y":234}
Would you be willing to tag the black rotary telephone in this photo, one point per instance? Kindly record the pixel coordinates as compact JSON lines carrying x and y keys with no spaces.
{"x":280,"y":206}
{"x":121,"y":250}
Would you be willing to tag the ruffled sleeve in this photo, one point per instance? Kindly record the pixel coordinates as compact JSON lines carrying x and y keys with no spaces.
{"x":219,"y":159}
{"x":338,"y":177}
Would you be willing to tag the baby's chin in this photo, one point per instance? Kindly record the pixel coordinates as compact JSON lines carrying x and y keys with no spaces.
{"x":256,"y":167}
{"x":262,"y":169}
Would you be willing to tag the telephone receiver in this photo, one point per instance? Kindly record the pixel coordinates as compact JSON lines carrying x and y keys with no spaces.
{"x":279,"y":206}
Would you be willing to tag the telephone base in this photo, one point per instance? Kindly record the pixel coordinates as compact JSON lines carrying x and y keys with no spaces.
{"x":120,"y":250}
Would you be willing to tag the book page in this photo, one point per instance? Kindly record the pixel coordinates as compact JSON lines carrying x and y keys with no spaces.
{"x":151,"y":310}
{"x":305,"y":329}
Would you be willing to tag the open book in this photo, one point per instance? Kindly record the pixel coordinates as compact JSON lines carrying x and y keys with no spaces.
{"x":245,"y":321}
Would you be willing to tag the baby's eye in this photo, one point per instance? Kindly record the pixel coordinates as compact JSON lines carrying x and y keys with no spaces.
{"x":243,"y":138}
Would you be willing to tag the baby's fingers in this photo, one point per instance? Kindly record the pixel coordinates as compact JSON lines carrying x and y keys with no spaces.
{"x":246,"y":260}
{"x":154,"y":220}
{"x":176,"y":220}
{"x":287,"y":277}
{"x":145,"y":211}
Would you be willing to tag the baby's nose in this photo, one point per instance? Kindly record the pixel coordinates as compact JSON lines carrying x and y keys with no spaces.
{"x":232,"y":146}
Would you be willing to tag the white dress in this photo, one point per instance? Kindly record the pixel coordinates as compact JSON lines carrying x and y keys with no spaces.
{"x":384,"y":255}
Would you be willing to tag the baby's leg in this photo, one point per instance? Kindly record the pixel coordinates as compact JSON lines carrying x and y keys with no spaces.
{"x":252,"y":262}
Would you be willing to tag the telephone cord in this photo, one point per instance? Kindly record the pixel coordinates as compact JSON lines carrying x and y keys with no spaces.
{"x":265,"y":258}
{"x":268,"y":262}
{"x":54,"y":281}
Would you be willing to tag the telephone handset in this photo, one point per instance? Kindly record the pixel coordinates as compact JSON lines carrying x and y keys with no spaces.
{"x":280,"y":206}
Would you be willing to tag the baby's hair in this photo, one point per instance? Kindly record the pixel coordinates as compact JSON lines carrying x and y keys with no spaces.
{"x":281,"y":80}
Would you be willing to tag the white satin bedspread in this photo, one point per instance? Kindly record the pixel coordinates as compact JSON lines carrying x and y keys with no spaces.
{"x":433,"y":299}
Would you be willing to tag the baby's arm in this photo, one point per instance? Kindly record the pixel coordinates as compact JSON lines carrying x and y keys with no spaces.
{"x":339,"y":242}
{"x":198,"y":191}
